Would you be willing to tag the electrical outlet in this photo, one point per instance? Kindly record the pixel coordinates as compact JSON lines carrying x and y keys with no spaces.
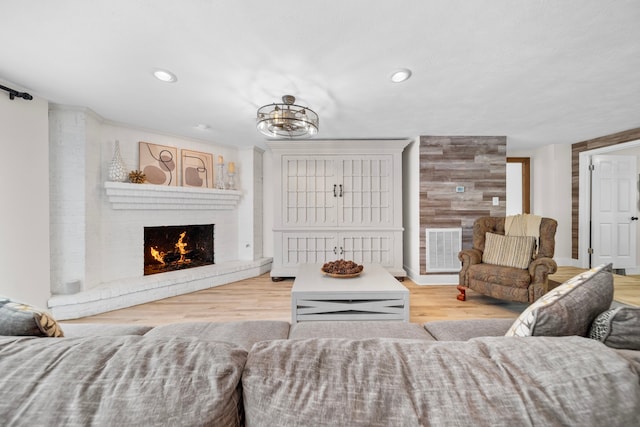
{"x":496,"y":201}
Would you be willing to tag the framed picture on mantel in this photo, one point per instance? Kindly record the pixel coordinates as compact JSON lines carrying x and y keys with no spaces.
{"x":159,"y":163}
{"x":197,"y":169}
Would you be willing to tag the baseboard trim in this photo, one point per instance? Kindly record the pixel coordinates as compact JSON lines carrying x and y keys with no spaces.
{"x":431,"y":279}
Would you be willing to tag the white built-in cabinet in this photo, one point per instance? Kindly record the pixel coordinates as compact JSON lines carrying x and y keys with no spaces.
{"x":337,"y":199}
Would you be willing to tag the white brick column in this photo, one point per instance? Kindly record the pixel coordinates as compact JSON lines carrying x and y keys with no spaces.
{"x":67,"y":142}
{"x":250,"y":208}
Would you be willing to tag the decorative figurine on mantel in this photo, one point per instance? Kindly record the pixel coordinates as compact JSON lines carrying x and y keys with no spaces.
{"x":117,"y":167}
{"x":231,"y":171}
{"x":137,"y":177}
{"x":220,"y":177}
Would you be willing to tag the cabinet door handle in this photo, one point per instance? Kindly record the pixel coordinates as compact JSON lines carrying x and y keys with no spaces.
{"x":334,"y":191}
{"x":335,"y":250}
{"x":341,"y":250}
{"x":340,"y":190}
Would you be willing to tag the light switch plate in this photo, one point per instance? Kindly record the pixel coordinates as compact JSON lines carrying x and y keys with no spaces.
{"x":459,"y":189}
{"x":496,"y":201}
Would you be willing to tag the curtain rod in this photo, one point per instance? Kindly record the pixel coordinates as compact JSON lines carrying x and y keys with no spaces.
{"x":14,"y":93}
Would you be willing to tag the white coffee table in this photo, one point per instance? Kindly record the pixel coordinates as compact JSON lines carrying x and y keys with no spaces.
{"x":374,"y":295}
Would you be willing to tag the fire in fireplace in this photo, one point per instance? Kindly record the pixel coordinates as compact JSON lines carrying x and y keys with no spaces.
{"x":169,"y":248}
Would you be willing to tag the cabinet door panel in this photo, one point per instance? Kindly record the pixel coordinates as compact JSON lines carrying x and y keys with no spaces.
{"x":309,"y":248}
{"x":368,"y":247}
{"x":367,"y":184}
{"x":309,"y":192}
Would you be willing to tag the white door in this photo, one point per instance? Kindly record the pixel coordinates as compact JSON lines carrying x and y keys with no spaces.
{"x":614,"y":211}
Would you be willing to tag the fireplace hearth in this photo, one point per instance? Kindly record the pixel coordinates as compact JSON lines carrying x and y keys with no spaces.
{"x":169,"y":248}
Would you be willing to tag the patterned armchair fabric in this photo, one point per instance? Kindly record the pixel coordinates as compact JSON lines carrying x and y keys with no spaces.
{"x":514,"y":284}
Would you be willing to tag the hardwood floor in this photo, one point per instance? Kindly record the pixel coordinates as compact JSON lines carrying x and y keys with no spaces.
{"x":261,"y":299}
{"x":626,"y":289}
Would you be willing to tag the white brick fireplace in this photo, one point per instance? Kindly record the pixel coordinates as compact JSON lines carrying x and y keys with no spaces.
{"x":97,"y":227}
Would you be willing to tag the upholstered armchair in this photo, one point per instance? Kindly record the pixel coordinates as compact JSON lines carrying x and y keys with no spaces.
{"x":510,"y":283}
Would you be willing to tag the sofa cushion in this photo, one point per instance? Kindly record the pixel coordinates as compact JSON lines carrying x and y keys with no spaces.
{"x":124,"y":381}
{"x":18,"y":319}
{"x":569,"y":309}
{"x":618,"y":327}
{"x":508,"y":251}
{"x":358,"y":330}
{"x":242,"y":333}
{"x":463,"y":330}
{"x":485,"y":381}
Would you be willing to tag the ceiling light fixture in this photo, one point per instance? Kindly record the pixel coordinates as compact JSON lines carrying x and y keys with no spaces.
{"x":165,"y":76}
{"x":287,"y":120}
{"x":401,"y":75}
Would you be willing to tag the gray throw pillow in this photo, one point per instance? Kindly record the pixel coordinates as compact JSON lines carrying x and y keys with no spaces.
{"x":618,"y":328}
{"x":569,"y":309}
{"x":17,"y":319}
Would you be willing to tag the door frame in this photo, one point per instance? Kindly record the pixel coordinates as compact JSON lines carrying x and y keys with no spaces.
{"x":584,"y":197}
{"x":526,"y":181}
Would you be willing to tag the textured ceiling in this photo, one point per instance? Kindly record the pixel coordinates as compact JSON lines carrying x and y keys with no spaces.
{"x":539,"y":72}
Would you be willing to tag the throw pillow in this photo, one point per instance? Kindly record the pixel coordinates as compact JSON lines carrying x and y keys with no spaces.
{"x":618,"y":328}
{"x":569,"y":309}
{"x":18,"y":319}
{"x":508,"y":251}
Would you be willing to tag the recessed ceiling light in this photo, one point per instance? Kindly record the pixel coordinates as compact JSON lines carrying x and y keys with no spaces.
{"x":202,"y":126}
{"x":165,"y":76}
{"x":400,"y":75}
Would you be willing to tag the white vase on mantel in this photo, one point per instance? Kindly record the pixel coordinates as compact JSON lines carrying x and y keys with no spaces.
{"x":117,"y":167}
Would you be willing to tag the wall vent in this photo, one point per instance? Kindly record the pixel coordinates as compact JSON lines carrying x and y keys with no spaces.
{"x":443,"y":245}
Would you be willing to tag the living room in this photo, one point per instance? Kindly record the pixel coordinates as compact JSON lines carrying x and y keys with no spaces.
{"x":80,"y":251}
{"x":431,"y":96}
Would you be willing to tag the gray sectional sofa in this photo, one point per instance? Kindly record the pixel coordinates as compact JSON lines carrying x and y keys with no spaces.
{"x":352,"y":373}
{"x":266,"y":373}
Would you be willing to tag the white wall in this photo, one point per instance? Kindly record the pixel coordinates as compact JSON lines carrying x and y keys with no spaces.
{"x":24,"y":191}
{"x":551,"y":192}
{"x":514,"y":189}
{"x":268,"y":207}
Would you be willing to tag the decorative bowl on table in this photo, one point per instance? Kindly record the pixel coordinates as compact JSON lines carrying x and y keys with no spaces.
{"x":342,"y":269}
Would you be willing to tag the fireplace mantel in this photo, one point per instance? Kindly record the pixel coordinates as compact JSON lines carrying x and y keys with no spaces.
{"x":124,"y":195}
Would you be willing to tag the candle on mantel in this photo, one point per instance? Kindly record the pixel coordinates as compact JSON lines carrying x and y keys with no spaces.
{"x":220,"y":160}
{"x":232,"y":167}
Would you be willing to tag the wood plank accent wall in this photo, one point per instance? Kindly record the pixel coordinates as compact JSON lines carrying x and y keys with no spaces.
{"x":576,"y":149}
{"x":478,"y":163}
